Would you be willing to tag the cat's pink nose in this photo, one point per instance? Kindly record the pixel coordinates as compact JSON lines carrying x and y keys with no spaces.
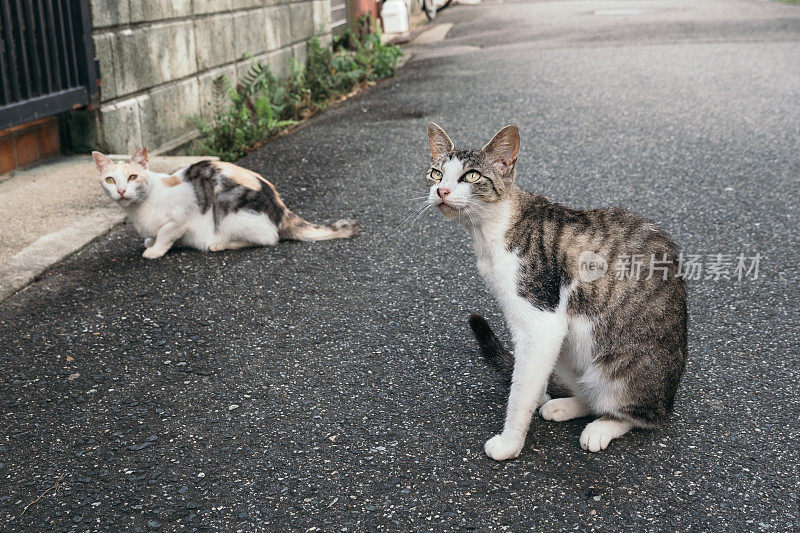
{"x":121,"y":192}
{"x":442,"y":192}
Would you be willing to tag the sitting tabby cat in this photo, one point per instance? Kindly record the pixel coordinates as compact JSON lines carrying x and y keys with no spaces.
{"x":209,"y":205}
{"x":617,"y":345}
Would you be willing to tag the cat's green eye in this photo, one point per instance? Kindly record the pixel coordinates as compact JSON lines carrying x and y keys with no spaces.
{"x":436,"y":175}
{"x":109,"y":179}
{"x":132,"y":177}
{"x":472,"y":176}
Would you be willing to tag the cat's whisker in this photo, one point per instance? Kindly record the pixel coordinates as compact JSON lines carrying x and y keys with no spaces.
{"x":418,"y":215}
{"x":415,"y":212}
{"x":471,"y":220}
{"x":418,"y":212}
{"x":415,"y":199}
{"x":479,"y":200}
{"x":479,"y":209}
{"x":415,"y":208}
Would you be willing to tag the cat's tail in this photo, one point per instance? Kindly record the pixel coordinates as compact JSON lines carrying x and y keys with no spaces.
{"x":492,"y":349}
{"x":294,"y":228}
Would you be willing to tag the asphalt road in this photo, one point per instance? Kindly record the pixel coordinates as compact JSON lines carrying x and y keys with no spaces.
{"x":335,"y":385}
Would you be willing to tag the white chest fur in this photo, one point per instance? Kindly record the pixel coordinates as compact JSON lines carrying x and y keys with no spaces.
{"x":162,"y":205}
{"x":498,"y":266}
{"x":500,"y":269}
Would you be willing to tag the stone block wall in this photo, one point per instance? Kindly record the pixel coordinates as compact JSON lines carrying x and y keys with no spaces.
{"x":158,"y":58}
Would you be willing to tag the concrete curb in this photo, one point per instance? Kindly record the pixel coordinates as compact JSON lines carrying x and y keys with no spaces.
{"x":23,"y":268}
{"x":417,"y":47}
{"x":435,"y":34}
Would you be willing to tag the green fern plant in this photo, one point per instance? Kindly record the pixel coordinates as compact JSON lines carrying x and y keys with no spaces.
{"x":244,"y":115}
{"x":260,"y":105}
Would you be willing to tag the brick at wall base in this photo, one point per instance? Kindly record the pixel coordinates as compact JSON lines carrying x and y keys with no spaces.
{"x":28,"y":143}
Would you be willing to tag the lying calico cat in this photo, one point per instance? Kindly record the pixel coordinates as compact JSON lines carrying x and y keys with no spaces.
{"x":617,"y":345}
{"x":209,"y":205}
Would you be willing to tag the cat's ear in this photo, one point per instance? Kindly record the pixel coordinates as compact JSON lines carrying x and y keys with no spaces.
{"x":140,"y":158}
{"x":439,"y":141}
{"x":503,"y":149}
{"x":101,"y":162}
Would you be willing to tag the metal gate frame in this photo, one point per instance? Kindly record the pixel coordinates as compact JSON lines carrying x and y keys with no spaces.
{"x":37,"y":78}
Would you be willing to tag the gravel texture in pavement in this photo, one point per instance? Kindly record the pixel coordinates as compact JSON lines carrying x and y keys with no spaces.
{"x":335,"y":385}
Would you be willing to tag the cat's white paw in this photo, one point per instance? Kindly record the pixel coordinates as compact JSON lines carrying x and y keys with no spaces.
{"x":594,"y":439}
{"x":153,"y":253}
{"x":149,"y":241}
{"x":218,"y":246}
{"x":598,"y":434}
{"x":501,"y":448}
{"x":562,"y":409}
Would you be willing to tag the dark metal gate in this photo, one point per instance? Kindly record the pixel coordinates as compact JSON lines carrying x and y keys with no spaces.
{"x":46,"y":59}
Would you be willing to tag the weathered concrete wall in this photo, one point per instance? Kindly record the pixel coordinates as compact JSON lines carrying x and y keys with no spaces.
{"x":158,"y":59}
